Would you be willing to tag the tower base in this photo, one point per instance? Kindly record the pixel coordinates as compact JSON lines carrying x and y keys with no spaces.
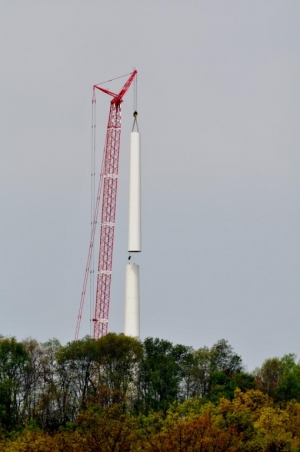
{"x":132,"y":301}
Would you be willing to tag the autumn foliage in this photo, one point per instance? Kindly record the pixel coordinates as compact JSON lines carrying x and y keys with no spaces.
{"x":119,"y":394}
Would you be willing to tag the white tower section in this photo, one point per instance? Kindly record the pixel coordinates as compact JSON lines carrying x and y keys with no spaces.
{"x":134,"y":229}
{"x":132,"y":301}
{"x":132,"y":290}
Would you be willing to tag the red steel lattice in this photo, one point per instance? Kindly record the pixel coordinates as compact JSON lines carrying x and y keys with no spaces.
{"x":108,"y":217}
{"x":108,"y":185}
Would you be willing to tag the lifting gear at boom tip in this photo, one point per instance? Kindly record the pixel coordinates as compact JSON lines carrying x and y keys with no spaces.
{"x":135,"y":114}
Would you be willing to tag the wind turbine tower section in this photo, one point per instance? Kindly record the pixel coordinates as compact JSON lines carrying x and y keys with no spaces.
{"x":132,"y":286}
{"x":132,"y":301}
{"x":134,"y":226}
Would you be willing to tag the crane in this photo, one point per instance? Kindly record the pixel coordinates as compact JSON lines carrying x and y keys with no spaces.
{"x":107,"y":191}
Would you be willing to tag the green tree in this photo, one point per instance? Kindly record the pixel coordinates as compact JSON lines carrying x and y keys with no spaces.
{"x":13,"y":360}
{"x":75,"y":370}
{"x":117,"y":358}
{"x":102,"y":370}
{"x":217,"y":372}
{"x":161,"y":373}
{"x":289,"y":382}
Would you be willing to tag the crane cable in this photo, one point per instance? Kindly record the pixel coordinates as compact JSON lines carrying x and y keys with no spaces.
{"x":112,"y":79}
{"x":93,"y":189}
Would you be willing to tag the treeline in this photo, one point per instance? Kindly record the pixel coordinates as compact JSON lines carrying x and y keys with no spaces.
{"x":120,"y":394}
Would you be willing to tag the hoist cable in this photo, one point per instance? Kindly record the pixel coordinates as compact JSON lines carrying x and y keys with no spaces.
{"x":93,"y":189}
{"x":112,"y":79}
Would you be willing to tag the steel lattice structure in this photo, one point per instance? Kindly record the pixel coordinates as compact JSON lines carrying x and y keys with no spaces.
{"x":108,"y":187}
{"x":108,"y":217}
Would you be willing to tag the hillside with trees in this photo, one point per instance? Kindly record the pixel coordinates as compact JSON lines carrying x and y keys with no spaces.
{"x":120,"y":394}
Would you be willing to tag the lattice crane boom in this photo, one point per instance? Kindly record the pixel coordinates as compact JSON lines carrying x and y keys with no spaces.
{"x":108,"y":186}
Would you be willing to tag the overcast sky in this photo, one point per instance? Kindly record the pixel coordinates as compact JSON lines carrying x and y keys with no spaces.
{"x":219,"y":111}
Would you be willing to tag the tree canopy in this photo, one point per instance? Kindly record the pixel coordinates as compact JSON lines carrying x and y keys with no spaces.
{"x":121,"y":394}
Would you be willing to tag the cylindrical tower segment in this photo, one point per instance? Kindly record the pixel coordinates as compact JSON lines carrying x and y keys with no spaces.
{"x":134,"y":227}
{"x":132,"y":301}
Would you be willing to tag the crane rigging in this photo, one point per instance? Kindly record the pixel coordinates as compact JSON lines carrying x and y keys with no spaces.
{"x":107,"y":192}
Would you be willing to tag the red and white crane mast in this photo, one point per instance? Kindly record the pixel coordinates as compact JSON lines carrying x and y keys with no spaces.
{"x":108,"y":186}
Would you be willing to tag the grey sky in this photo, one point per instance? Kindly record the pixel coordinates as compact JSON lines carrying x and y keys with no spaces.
{"x":219,"y":103}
